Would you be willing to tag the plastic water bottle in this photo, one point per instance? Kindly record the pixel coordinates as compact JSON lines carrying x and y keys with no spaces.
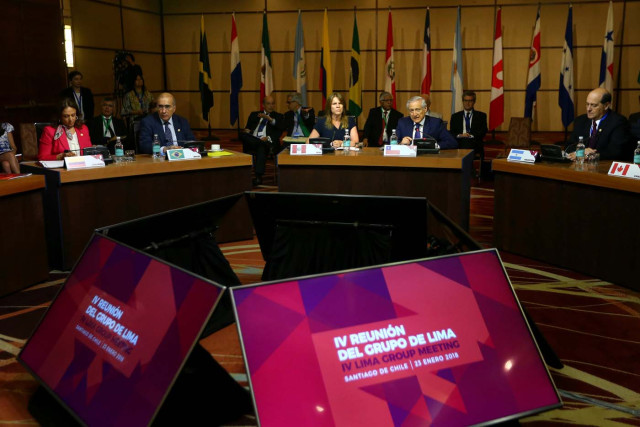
{"x":346,"y":144}
{"x":394,"y":138}
{"x":580,"y":151}
{"x":636,"y":155}
{"x":119,"y":150}
{"x":157,"y":153}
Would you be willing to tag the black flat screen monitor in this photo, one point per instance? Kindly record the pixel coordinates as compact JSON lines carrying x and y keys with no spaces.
{"x":426,"y":145}
{"x":311,"y":233}
{"x":325,"y":142}
{"x":194,"y":144}
{"x":186,"y":237}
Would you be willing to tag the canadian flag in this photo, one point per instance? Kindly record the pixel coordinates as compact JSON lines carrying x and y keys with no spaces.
{"x":619,"y":169}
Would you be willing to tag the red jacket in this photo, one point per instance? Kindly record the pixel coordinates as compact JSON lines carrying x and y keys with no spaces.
{"x":48,"y":149}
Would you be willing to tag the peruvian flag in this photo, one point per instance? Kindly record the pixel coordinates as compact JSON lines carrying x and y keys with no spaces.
{"x":496,"y":106}
{"x":425,"y":87}
{"x":390,"y":68}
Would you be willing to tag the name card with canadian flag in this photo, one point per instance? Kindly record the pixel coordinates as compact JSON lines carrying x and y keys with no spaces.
{"x":305,"y":149}
{"x":401,"y":150}
{"x":625,"y":170}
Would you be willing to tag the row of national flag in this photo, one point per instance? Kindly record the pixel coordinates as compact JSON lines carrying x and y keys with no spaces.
{"x":566,"y":91}
{"x":566,"y":98}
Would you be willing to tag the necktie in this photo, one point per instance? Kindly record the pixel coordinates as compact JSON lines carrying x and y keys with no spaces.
{"x":298,"y":127}
{"x":467,"y":121}
{"x":261,"y":126}
{"x":594,"y":133}
{"x":167,"y":134}
{"x":107,"y":127}
{"x":417,"y":134}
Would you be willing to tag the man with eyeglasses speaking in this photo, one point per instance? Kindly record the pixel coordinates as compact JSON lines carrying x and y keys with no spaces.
{"x":381,"y":122}
{"x":418,"y":125}
{"x":170,"y":128}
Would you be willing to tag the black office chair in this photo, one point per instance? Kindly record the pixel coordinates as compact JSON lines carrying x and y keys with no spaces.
{"x":40,"y":128}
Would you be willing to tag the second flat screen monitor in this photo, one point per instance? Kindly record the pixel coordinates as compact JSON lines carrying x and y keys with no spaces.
{"x":434,"y":342}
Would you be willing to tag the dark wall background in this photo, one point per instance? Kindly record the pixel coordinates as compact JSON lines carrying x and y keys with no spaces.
{"x":32,"y":69}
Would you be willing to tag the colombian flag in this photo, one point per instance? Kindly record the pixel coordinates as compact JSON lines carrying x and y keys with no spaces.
{"x":326,"y":82}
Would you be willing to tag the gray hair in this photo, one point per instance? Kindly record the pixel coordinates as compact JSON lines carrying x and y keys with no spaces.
{"x":296,"y":96}
{"x":383,"y":94}
{"x":417,"y":98}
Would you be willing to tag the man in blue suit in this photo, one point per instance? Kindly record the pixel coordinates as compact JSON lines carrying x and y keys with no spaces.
{"x":170,"y":128}
{"x":419,"y":125}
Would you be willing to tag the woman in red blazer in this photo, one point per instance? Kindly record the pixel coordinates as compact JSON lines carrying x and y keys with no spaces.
{"x":68,"y":138}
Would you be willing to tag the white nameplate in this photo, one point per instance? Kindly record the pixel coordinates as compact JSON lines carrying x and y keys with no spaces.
{"x":625,"y":170}
{"x":522,"y":156}
{"x":84,"y":162}
{"x":399,"y":150}
{"x":182,"y":154}
{"x":305,"y":149}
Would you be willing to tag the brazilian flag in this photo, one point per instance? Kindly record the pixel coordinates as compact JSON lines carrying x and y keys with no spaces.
{"x":205,"y":83}
{"x":355,"y":87}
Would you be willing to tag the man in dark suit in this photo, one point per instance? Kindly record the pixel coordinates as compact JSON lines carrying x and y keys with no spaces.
{"x":104,"y":127}
{"x":81,"y":95}
{"x":604,"y":131}
{"x":469,"y":126}
{"x":419,"y":125}
{"x":170,"y":128}
{"x":299,"y":120}
{"x":380,"y":122}
{"x":262,"y":134}
{"x":634,"y":124}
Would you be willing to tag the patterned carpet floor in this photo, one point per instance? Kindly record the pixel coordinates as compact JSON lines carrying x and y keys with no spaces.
{"x":593,"y":326}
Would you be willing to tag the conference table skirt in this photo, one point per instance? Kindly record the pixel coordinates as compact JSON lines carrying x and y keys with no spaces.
{"x":79,"y":201}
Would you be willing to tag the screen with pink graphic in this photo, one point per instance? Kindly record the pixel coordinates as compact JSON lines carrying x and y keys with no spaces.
{"x":440,"y":341}
{"x":117,"y":334}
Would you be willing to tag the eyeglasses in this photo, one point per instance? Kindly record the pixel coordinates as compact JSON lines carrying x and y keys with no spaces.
{"x":164,"y":107}
{"x":416,"y":110}
{"x":386,"y":100}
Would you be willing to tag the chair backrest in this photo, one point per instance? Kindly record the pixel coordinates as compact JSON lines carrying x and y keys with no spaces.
{"x":40,"y":128}
{"x":29,"y":136}
{"x":519,"y":135}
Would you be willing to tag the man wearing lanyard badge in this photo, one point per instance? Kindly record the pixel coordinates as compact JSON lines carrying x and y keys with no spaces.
{"x":604,"y":131}
{"x":380,"y":122}
{"x":105,"y":127}
{"x":81,"y":95}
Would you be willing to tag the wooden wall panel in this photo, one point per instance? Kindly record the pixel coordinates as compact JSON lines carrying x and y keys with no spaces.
{"x":181,"y":21}
{"x":147,"y":5}
{"x":141,"y":31}
{"x":96,"y":25}
{"x":97,"y":69}
{"x":208,"y":6}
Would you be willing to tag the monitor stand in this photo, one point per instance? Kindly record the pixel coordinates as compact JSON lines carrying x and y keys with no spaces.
{"x":203,"y":391}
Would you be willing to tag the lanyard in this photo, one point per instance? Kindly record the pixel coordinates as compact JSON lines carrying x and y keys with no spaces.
{"x":107,"y":125}
{"x":78,"y":98}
